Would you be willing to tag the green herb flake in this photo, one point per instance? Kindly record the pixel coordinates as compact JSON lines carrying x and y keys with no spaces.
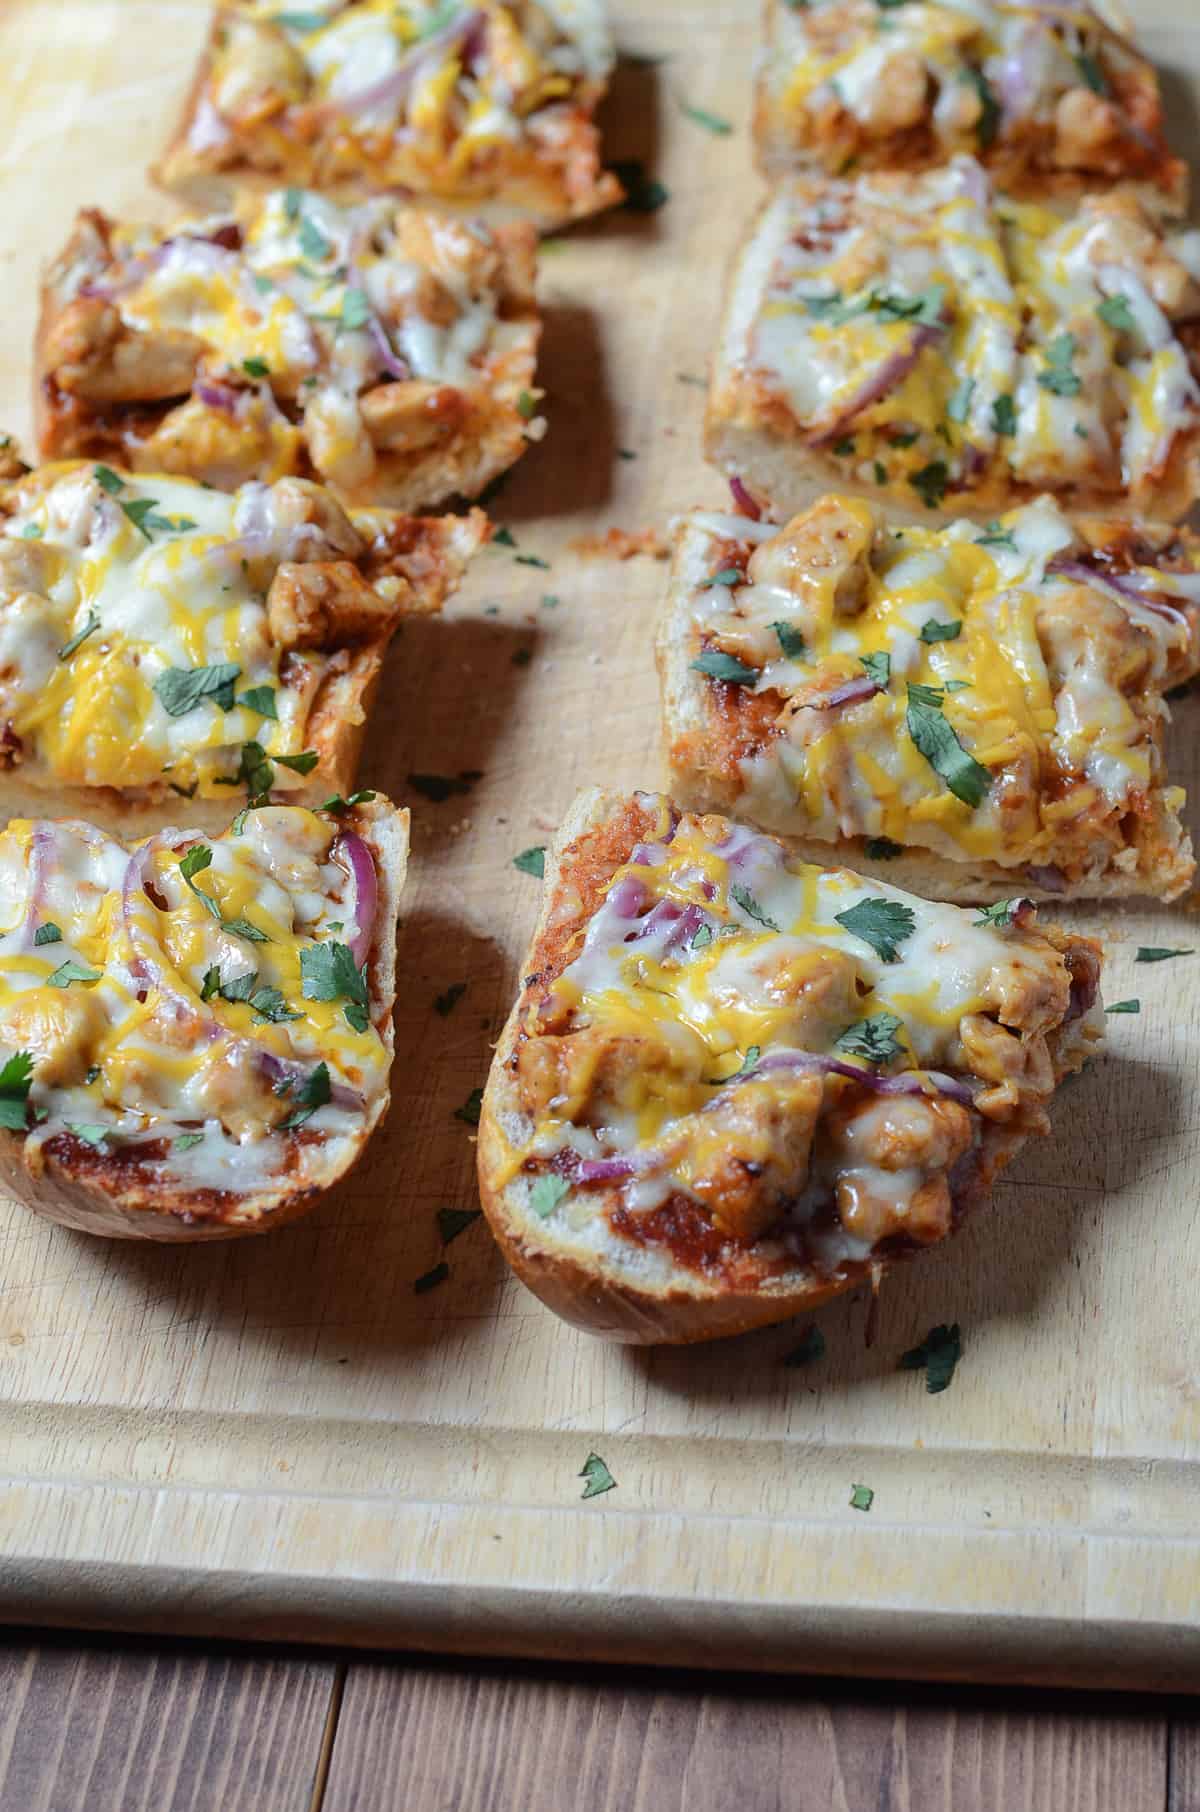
{"x":430,"y":1280}
{"x":504,"y":537}
{"x":15,"y":1077}
{"x":453,"y":1221}
{"x":810,"y":1349}
{"x":791,"y":642}
{"x":71,"y":971}
{"x":843,"y":448}
{"x":1124,"y":1006}
{"x":934,"y":736}
{"x":878,"y":666}
{"x":728,"y":576}
{"x":932,"y":631}
{"x":445,"y":1003}
{"x":186,"y":1141}
{"x":439,"y":787}
{"x":304,"y":763}
{"x":599,"y":1478}
{"x":526,"y":405}
{"x":998,"y":915}
{"x":546,"y":1193}
{"x":256,"y":368}
{"x":1004,"y":415}
{"x":470,"y":1110}
{"x":990,"y":112}
{"x":1089,"y":68}
{"x":80,"y":637}
{"x":872,"y":1039}
{"x":550,"y":601}
{"x":1059,"y":375}
{"x":33,"y":531}
{"x":882,"y":849}
{"x":937,"y":1356}
{"x":1116,"y":313}
{"x":930,"y":483}
{"x":881,"y":474}
{"x":712,"y":122}
{"x":328,"y":972}
{"x":884,"y":924}
{"x":260,"y":699}
{"x":301,"y":22}
{"x":861,"y":1497}
{"x":338,"y":804}
{"x":182,"y":689}
{"x":315,"y":1092}
{"x":1152,"y":953}
{"x":718,"y":665}
{"x":49,"y":933}
{"x":996,"y":536}
{"x":356,"y":310}
{"x":91,"y":1132}
{"x":108,"y":480}
{"x":644,"y":194}
{"x":313,"y":243}
{"x":543,"y":566}
{"x":743,"y":897}
{"x":702,"y":939}
{"x":532,"y":861}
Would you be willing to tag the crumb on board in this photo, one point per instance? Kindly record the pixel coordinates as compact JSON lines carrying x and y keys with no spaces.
{"x":622,"y":544}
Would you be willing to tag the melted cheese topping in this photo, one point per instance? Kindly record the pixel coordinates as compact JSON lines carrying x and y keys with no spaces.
{"x":971,"y":71}
{"x":929,"y":335}
{"x":316,"y":306}
{"x":95,"y":609}
{"x":1047,"y":676}
{"x":718,"y":978}
{"x":435,"y":87}
{"x":126,"y":1052}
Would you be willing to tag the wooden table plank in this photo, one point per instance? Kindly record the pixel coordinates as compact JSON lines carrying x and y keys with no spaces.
{"x":475,"y":1739}
{"x":1183,"y":1767}
{"x":140,"y":1729}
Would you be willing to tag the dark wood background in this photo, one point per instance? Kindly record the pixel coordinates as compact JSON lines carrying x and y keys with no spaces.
{"x":106,"y":1725}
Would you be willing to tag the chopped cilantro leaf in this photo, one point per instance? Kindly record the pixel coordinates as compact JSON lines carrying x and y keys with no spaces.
{"x":880,"y":470}
{"x":438,"y":787}
{"x":15,"y":1077}
{"x":1116,"y":313}
{"x":934,"y":736}
{"x":724,"y":667}
{"x":861,"y":1497}
{"x":958,"y":406}
{"x":429,"y":1280}
{"x":882,"y":849}
{"x":80,"y":636}
{"x":546,"y":1193}
{"x":256,"y":368}
{"x":445,"y":1003}
{"x":930,"y":482}
{"x":728,"y":575}
{"x":526,"y":405}
{"x":878,"y":666}
{"x":48,"y":933}
{"x":182,"y":689}
{"x":504,"y":537}
{"x":1124,"y":1006}
{"x":599,"y":1478}
{"x":313,"y":243}
{"x":532,"y":861}
{"x":1060,"y":376}
{"x":790,"y":640}
{"x":702,"y":938}
{"x":470,"y":1109}
{"x":356,"y":310}
{"x":988,"y":123}
{"x":1150,"y":953}
{"x":873,"y":1039}
{"x":712,"y":122}
{"x":338,"y":804}
{"x":643,"y":194}
{"x":843,"y":448}
{"x":543,"y":566}
{"x":304,"y":763}
{"x":212,"y":982}
{"x":453,"y":1221}
{"x":932,"y":631}
{"x":998,"y":915}
{"x":186,"y":1140}
{"x":1004,"y":415}
{"x":314,"y":1093}
{"x":937,"y":1356}
{"x":244,"y":928}
{"x":1091,"y":72}
{"x":71,"y":971}
{"x":260,"y":699}
{"x":108,"y":480}
{"x":743,"y":897}
{"x":995,"y":536}
{"x":328,"y":972}
{"x":810,"y":1349}
{"x":884,"y":924}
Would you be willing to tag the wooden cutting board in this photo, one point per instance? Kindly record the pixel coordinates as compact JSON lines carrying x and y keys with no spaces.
{"x":284,"y":1437}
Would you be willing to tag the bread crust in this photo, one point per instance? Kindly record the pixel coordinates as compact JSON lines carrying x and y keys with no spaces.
{"x":87,"y":1198}
{"x":590,"y":1289}
{"x":689,"y":723}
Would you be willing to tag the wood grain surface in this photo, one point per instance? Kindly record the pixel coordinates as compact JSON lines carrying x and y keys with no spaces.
{"x":284,"y":1437}
{"x":86,"y":1729}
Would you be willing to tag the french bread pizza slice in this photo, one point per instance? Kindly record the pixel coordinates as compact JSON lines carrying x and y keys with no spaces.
{"x":736,"y":1083}
{"x":970,"y":711}
{"x":165,"y":647}
{"x":195,"y":1033}
{"x":940,"y":345}
{"x":384,"y":349}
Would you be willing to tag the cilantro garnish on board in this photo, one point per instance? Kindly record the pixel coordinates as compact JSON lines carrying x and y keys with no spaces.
{"x":937,"y":1356}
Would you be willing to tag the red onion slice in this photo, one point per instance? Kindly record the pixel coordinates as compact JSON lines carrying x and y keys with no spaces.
{"x":393,"y":89}
{"x":1122,"y":588}
{"x":352,"y":854}
{"x":145,"y":964}
{"x":859,"y":688}
{"x":391,"y":361}
{"x":889,"y":376}
{"x":746,"y":503}
{"x":910,"y":1082}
